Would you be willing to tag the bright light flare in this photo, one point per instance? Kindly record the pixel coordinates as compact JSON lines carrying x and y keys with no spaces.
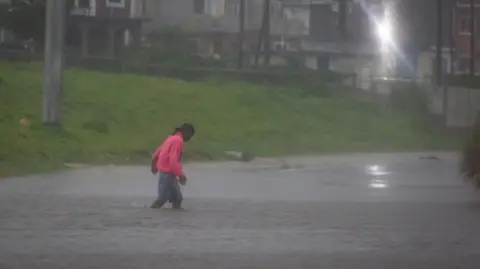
{"x":385,"y":32}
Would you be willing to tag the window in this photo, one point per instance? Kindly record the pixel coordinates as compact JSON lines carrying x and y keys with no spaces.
{"x":465,"y":25}
{"x":116,"y":3}
{"x":466,"y":3}
{"x":463,"y":64}
{"x":199,"y":6}
{"x":217,"y":46}
{"x":232,"y":7}
{"x":83,"y":3}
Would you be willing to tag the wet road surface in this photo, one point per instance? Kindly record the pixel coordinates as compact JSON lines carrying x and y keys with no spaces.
{"x":320,"y":213}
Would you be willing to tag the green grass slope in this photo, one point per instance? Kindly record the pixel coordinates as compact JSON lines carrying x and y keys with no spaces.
{"x":112,"y":118}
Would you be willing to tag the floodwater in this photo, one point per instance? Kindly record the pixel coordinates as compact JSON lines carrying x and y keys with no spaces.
{"x":361,"y":211}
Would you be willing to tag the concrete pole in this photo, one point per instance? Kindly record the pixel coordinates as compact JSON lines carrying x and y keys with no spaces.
{"x":439,"y":46}
{"x":53,"y":62}
{"x":267,"y":44}
{"x":342,"y":19}
{"x":472,"y":38}
{"x":241,"y":34}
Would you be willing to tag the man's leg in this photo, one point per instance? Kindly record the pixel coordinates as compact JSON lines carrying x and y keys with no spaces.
{"x":177,"y":196}
{"x":164,"y":187}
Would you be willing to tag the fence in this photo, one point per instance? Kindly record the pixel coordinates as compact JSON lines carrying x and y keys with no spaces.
{"x":457,"y":105}
{"x":310,"y":80}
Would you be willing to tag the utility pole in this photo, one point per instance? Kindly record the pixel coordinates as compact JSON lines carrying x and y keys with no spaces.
{"x":472,"y":37}
{"x":342,"y":19}
{"x":267,"y":45}
{"x":53,"y":61}
{"x":241,"y":35}
{"x":264,"y":35}
{"x":439,"y":68}
{"x":451,"y":32}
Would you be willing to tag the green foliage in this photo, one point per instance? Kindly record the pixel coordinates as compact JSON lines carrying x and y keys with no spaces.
{"x":409,"y":96}
{"x":26,"y":18}
{"x":170,"y":46}
{"x":3,"y":14}
{"x":466,"y":81}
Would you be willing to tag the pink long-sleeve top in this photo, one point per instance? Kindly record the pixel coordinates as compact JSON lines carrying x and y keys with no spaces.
{"x":168,"y":155}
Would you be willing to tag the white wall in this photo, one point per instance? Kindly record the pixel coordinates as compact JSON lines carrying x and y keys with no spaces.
{"x":301,"y":14}
{"x":215,"y":7}
{"x":426,"y":61}
{"x":311,"y":62}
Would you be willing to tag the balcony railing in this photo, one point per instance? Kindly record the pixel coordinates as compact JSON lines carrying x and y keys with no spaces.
{"x":81,"y":11}
{"x":106,"y":13}
{"x":339,"y":47}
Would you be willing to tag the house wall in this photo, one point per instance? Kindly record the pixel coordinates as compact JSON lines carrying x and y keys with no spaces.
{"x":458,"y":106}
{"x":219,"y":15}
{"x":167,"y":12}
{"x":462,"y":36}
{"x":99,"y":37}
{"x":322,"y":19}
{"x":221,"y":22}
{"x":102,"y":10}
{"x":311,"y":62}
{"x":301,"y":14}
{"x":5,"y":35}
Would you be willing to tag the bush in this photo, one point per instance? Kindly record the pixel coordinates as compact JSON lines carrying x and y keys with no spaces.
{"x":409,"y":96}
{"x":466,"y":81}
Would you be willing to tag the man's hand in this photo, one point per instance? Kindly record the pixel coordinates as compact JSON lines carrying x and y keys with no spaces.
{"x":153,"y":169}
{"x":182,"y":180}
{"x":153,"y":165}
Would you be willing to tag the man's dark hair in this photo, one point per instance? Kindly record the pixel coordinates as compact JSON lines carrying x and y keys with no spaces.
{"x":185,"y":128}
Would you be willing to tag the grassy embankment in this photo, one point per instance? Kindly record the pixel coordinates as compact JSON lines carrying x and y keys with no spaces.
{"x":112,"y":118}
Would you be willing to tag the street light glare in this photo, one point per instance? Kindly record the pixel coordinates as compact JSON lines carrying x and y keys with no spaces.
{"x":384,"y":31}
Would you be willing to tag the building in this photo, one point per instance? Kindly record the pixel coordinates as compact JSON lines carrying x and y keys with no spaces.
{"x":462,"y":34}
{"x":103,"y":27}
{"x":355,"y":49}
{"x":215,"y":23}
{"x":5,"y":35}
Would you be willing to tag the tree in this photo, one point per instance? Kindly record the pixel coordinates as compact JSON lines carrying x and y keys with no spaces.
{"x":3,"y":14}
{"x":26,"y":19}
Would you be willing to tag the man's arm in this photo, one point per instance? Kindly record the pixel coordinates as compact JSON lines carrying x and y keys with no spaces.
{"x":153,"y":166}
{"x":174,"y":158}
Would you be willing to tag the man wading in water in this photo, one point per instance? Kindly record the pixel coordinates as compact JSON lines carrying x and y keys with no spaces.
{"x":166,"y":161}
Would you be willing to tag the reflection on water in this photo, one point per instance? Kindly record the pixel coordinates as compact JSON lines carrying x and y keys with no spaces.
{"x":377,"y":170}
{"x":378,"y":173}
{"x":378,"y":184}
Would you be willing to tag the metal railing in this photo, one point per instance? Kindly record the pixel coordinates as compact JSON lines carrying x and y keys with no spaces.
{"x":82,"y":11}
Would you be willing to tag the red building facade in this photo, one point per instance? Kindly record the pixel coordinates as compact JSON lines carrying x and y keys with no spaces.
{"x":462,"y":34}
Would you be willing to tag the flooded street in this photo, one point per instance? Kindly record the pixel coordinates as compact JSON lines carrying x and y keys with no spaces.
{"x":330,"y":212}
